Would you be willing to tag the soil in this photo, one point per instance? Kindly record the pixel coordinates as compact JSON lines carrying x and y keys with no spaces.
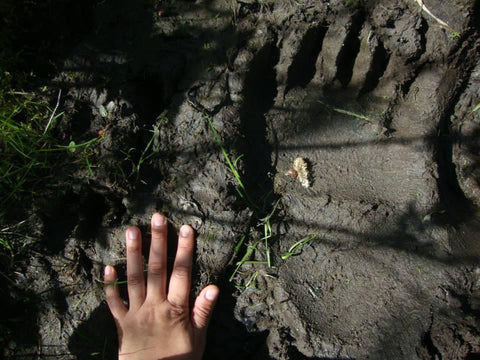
{"x":377,"y":97}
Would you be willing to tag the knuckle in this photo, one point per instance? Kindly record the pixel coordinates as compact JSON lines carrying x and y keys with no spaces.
{"x":156,"y":269}
{"x":135,"y":279}
{"x":150,"y":316}
{"x":159,"y":231}
{"x":177,"y":311}
{"x":181,"y":272}
{"x":111,"y":301}
{"x":186,"y":245}
{"x":110,"y":297}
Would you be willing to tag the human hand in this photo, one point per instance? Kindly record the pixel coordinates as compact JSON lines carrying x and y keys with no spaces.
{"x":159,"y":325}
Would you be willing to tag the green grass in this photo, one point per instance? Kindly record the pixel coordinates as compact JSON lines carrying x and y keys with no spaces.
{"x":29,"y":153}
{"x":24,"y":146}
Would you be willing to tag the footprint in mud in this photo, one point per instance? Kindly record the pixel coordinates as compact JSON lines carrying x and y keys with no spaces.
{"x":364,"y":94}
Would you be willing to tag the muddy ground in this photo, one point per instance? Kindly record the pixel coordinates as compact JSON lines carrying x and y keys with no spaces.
{"x":376,"y":96}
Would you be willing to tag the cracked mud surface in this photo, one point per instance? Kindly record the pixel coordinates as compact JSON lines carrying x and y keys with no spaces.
{"x":376,"y":96}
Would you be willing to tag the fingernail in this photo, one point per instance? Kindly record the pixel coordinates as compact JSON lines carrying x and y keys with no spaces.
{"x":132,"y":234}
{"x":159,"y":220}
{"x":185,"y":231}
{"x":211,"y":294}
{"x":108,"y":270}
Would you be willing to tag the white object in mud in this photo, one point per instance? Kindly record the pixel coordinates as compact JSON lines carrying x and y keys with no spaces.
{"x":301,"y":167}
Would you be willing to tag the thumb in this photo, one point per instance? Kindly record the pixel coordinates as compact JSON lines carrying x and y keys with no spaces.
{"x":203,"y":308}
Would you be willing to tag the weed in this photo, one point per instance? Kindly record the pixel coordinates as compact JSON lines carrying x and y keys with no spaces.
{"x":297,"y":247}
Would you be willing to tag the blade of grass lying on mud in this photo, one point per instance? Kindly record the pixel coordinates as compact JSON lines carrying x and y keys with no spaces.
{"x":346,"y":112}
{"x":297,"y":247}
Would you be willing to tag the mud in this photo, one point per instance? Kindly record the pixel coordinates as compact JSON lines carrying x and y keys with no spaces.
{"x":377,"y":97}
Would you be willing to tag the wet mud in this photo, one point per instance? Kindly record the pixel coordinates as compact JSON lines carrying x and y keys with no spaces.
{"x":377,"y":97}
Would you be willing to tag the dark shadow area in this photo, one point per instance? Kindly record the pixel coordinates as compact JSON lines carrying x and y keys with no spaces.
{"x":259,"y":94}
{"x":227,"y":337}
{"x":80,"y":214}
{"x":56,"y":232}
{"x":96,"y":337}
{"x":21,"y":318}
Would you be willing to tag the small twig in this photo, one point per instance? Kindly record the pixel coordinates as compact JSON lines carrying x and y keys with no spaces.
{"x":53,"y":112}
{"x":440,"y":21}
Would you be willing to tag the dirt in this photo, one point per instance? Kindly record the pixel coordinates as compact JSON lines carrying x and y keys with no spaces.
{"x":377,"y":97}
